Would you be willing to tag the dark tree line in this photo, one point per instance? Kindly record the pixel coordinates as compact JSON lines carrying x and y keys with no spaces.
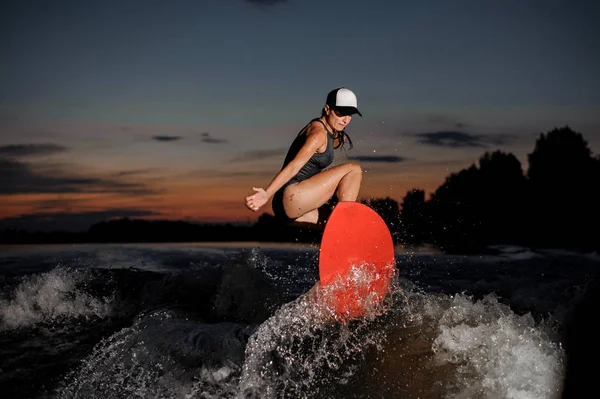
{"x":555,"y":204}
{"x":127,"y":230}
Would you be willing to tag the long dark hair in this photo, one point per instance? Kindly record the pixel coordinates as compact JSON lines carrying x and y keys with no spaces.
{"x":340,"y":136}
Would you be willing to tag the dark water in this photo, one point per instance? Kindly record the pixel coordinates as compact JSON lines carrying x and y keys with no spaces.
{"x":231,"y":321}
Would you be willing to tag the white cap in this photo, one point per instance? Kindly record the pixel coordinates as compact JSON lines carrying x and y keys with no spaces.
{"x":344,"y":100}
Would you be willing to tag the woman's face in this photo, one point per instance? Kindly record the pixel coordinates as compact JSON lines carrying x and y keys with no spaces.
{"x":336,"y":120}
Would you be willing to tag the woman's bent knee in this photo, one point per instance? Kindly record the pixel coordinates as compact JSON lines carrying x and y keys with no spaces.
{"x":356,"y":169}
{"x":353,"y":167}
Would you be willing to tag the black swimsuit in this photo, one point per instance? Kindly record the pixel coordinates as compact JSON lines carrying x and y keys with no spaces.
{"x":316,"y":163}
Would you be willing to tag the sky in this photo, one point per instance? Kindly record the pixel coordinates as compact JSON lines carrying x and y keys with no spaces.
{"x":175,"y":110}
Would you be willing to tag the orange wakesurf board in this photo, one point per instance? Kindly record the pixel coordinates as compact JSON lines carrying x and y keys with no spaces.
{"x":356,"y":260}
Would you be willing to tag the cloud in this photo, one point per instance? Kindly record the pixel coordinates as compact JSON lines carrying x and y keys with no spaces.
{"x":379,"y":158}
{"x":24,"y":150}
{"x":445,"y":120}
{"x":66,"y":221}
{"x":136,"y":172}
{"x":62,"y":202}
{"x":21,"y":178}
{"x":206,"y":138}
{"x":457,"y":139}
{"x":450,"y":139}
{"x":166,"y":138}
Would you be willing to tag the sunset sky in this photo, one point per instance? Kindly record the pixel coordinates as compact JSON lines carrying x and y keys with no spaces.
{"x":175,"y":109}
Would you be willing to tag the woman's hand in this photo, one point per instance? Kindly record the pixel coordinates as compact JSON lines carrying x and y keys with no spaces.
{"x":256,"y":200}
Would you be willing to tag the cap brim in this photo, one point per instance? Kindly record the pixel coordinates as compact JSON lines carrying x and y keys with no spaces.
{"x":348,"y":110}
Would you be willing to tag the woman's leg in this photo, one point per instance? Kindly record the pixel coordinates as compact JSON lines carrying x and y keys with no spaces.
{"x":302,"y":200}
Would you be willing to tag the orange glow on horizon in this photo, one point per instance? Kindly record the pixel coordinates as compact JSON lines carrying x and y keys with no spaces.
{"x":196,"y":200}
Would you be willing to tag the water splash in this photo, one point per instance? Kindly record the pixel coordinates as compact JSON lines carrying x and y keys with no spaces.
{"x":497,"y":353}
{"x":359,"y":293}
{"x":304,"y":349}
{"x":48,"y":297}
{"x":163,"y":355}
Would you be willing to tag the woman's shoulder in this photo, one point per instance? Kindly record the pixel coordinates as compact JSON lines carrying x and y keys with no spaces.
{"x":314,"y":132}
{"x":316,"y":126}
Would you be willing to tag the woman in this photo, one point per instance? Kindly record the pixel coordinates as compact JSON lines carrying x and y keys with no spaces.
{"x":303,"y":185}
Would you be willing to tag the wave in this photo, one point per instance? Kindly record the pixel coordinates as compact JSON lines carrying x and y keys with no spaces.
{"x":497,"y":352}
{"x":239,"y":326}
{"x":163,"y":354}
{"x":302,"y":347}
{"x":51,"y":296}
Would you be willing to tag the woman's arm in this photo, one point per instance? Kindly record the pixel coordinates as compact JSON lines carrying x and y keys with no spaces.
{"x":316,"y":137}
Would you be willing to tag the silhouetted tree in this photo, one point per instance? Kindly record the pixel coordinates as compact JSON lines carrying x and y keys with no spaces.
{"x":556,"y":204}
{"x":501,"y":197}
{"x":562,"y":176}
{"x":454,"y":218}
{"x":414,"y":217}
{"x":475,"y":206}
{"x":389,"y":211}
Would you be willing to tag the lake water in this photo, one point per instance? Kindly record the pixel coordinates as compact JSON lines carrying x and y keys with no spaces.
{"x":203,"y":320}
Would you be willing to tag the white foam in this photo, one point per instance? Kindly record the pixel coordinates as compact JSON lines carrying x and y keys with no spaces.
{"x":498,"y":354}
{"x":50,"y":296}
